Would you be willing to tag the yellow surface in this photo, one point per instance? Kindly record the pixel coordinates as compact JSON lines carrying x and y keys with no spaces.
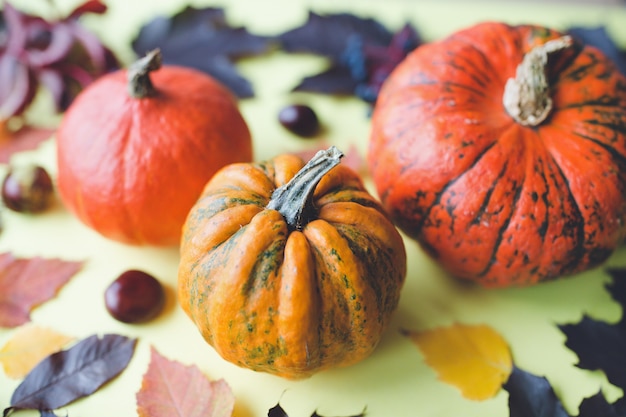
{"x":394,"y":381}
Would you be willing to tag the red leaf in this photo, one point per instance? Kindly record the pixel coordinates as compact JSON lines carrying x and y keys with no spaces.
{"x":167,"y":387}
{"x":26,"y":283}
{"x":24,"y":139}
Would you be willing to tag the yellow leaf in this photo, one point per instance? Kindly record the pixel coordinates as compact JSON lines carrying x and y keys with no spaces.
{"x":473,"y":358}
{"x":27,"y":347}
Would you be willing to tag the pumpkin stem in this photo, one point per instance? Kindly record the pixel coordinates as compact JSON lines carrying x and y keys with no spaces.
{"x":139,"y":83}
{"x":527,"y":96}
{"x":294,"y":199}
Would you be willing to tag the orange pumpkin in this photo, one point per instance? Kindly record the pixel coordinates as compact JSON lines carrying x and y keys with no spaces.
{"x":502,"y":150}
{"x":289,"y":269}
{"x":136,"y":147}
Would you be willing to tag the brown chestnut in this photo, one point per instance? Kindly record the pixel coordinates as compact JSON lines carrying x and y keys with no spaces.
{"x":27,"y":189}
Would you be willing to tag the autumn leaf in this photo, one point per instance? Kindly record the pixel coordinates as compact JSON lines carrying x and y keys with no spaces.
{"x":27,"y":347}
{"x":24,"y":138}
{"x":362,"y":52}
{"x":168,"y":385}
{"x":352,"y":158}
{"x":202,"y":39}
{"x":279,"y":411}
{"x":473,"y":358}
{"x":532,"y":396}
{"x":68,"y":375}
{"x":598,"y":406}
{"x":600,"y":345}
{"x":25,"y":283}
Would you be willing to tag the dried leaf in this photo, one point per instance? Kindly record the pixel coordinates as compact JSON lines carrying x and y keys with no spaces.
{"x":168,"y":385}
{"x":66,"y":376}
{"x":532,"y":396}
{"x":23,"y":139}
{"x":474,"y":358}
{"x":27,"y":347}
{"x":328,"y":34}
{"x":202,"y":39}
{"x":598,"y":406}
{"x":362,"y":52}
{"x":601,"y":345}
{"x":279,"y":411}
{"x":25,"y":283}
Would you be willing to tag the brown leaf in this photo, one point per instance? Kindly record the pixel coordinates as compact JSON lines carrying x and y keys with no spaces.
{"x":23,"y":139}
{"x":168,"y":385}
{"x":474,"y":358}
{"x":26,"y":283}
{"x":27,"y":347}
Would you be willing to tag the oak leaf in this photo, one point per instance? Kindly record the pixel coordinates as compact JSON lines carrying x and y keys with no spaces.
{"x":27,"y":347}
{"x":168,"y":386}
{"x":26,"y":283}
{"x":473,"y":358}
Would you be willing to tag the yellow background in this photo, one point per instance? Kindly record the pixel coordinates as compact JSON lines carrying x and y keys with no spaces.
{"x":394,"y":381}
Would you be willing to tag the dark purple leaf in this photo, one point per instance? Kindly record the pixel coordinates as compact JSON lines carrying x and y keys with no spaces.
{"x":597,"y":406}
{"x":41,"y":46}
{"x":202,"y":39}
{"x":601,"y":345}
{"x":361,"y":414}
{"x":362,"y":52}
{"x":277,"y":411}
{"x":71,"y":374}
{"x":532,"y":396}
{"x":328,"y":34}
{"x":336,"y":80}
{"x":598,"y":37}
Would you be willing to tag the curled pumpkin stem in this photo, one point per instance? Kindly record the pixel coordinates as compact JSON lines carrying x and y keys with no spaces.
{"x":139,"y":83}
{"x":294,"y":199}
{"x":527,"y":96}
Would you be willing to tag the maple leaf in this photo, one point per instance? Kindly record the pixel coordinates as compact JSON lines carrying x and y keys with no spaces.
{"x":361,"y":50}
{"x":474,"y":358}
{"x":25,"y":283}
{"x":532,"y":396}
{"x":598,"y":406}
{"x":167,"y":386}
{"x":601,"y":345}
{"x":27,"y":347}
{"x":202,"y":39}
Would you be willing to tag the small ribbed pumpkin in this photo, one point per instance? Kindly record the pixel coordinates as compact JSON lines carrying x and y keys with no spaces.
{"x":289,"y":268}
{"x":502,"y":150}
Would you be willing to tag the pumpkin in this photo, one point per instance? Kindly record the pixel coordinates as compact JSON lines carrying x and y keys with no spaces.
{"x":290,"y":269}
{"x":137,"y":146}
{"x":502,"y":151}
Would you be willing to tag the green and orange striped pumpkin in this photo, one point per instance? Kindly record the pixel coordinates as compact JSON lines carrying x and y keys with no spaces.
{"x":502,"y":150}
{"x":290,"y":269}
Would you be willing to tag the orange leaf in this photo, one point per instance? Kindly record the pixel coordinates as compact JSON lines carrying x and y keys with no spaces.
{"x":27,"y":282}
{"x":475,"y":359}
{"x":27,"y":347}
{"x":170,"y":388}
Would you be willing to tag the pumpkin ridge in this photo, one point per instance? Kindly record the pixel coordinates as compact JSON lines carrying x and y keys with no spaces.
{"x":576,"y":254}
{"x":487,"y":198}
{"x":437,"y":200}
{"x":500,"y":236}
